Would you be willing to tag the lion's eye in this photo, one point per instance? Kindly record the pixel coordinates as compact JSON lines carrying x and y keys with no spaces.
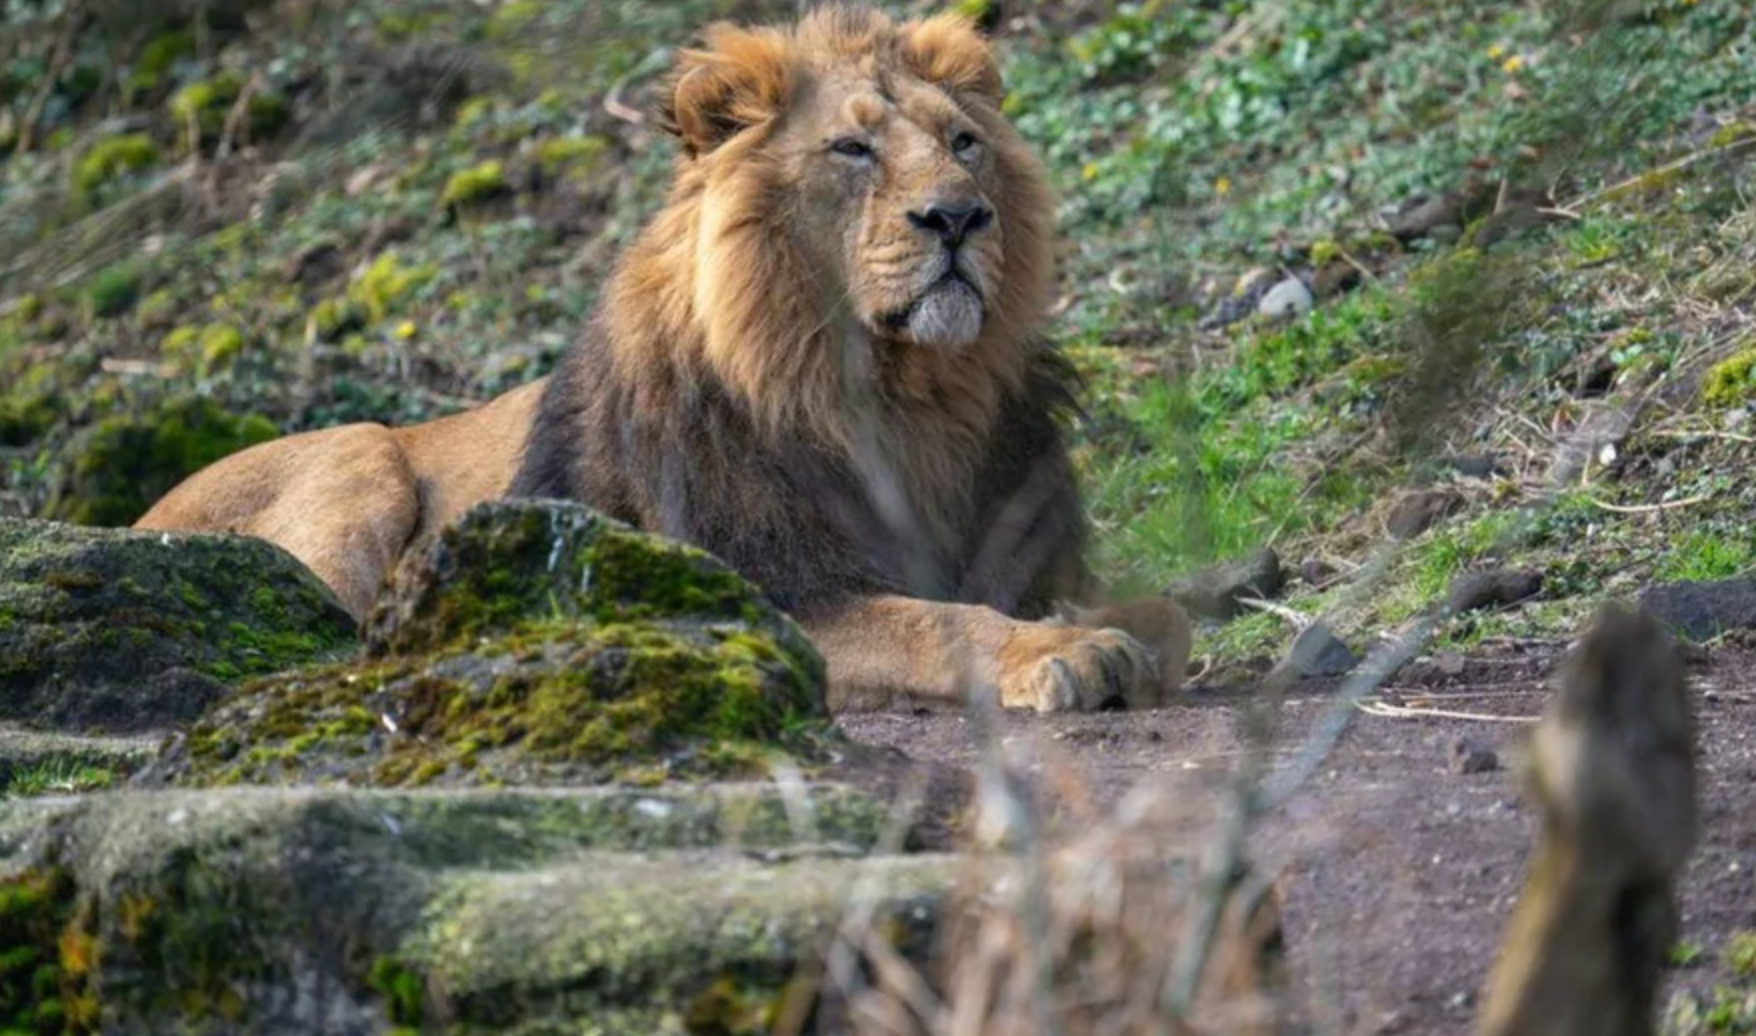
{"x":852,"y":148}
{"x":963,"y":143}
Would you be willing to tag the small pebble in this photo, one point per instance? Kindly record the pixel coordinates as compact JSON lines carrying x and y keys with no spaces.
{"x":1288,"y":300}
{"x":1468,"y":756}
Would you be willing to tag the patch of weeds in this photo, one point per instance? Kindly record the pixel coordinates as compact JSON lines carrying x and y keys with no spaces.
{"x":1704,"y":555}
{"x":56,"y":776}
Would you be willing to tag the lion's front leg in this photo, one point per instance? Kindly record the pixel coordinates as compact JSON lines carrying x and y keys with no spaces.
{"x":880,"y":649}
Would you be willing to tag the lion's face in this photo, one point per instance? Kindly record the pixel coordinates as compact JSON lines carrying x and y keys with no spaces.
{"x":899,"y":181}
{"x":870,"y":161}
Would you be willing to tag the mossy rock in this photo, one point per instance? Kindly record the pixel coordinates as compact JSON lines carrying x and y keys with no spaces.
{"x":112,"y":472}
{"x":506,"y":568}
{"x":533,"y":643}
{"x":233,"y":912}
{"x":124,"y":631}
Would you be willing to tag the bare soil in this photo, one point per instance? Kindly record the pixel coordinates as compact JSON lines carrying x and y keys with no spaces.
{"x":1397,"y":870}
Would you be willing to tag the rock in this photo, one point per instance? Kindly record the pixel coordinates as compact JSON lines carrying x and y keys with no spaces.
{"x":1316,"y":571}
{"x":1473,"y":465}
{"x":126,"y":631}
{"x":317,"y":264}
{"x":1286,"y":301}
{"x":1213,"y":592}
{"x":1424,"y":215}
{"x":532,"y":643}
{"x":1243,"y":300}
{"x":1470,"y":756}
{"x":1475,"y":590}
{"x":1417,"y":511}
{"x":1596,"y":438}
{"x":1334,"y":277}
{"x":1701,"y":611}
{"x":346,"y":911}
{"x":1317,"y":651}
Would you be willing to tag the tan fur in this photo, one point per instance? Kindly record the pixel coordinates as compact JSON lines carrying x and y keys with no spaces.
{"x":349,"y":501}
{"x":791,"y":277}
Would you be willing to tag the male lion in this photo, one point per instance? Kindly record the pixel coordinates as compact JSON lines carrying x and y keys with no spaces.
{"x":820,"y":362}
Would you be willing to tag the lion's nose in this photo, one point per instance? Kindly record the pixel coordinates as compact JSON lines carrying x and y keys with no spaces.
{"x":953,"y":221}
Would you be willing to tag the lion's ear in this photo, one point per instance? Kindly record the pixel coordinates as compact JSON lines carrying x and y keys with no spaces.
{"x":949,"y":50}
{"x":740,"y":79}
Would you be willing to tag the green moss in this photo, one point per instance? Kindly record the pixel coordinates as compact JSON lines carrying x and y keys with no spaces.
{"x":513,"y":18}
{"x":46,"y":961}
{"x":483,"y":182}
{"x":220,"y":344}
{"x":117,"y":468}
{"x":156,"y":58}
{"x":557,"y":155}
{"x":387,"y":283}
{"x":474,"y":112}
{"x":30,"y":407}
{"x":1731,"y":381}
{"x":113,"y":157}
{"x":333,"y":319}
{"x":205,"y":106}
{"x":113,"y":290}
{"x":211,"y":346}
{"x":579,"y":704}
{"x":401,"y":987}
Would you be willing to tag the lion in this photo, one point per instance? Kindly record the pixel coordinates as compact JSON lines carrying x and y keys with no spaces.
{"x":821,"y":361}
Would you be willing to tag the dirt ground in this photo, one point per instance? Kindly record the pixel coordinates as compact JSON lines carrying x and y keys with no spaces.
{"x":1398,"y":869}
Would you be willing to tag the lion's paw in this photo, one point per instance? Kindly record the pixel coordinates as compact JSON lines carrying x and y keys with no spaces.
{"x":1055,"y":669}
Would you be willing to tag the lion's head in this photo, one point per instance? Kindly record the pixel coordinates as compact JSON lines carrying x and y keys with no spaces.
{"x":849,"y":194}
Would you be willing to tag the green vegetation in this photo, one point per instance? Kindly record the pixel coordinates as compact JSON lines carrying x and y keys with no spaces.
{"x":109,"y":159}
{"x":119,"y":467}
{"x":476,"y":184}
{"x":202,"y":108}
{"x":1727,"y":1009}
{"x":1731,"y":381}
{"x":56,"y":776}
{"x":45,"y":963}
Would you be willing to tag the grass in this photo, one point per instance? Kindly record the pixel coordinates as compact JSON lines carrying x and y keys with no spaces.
{"x":1726,"y":1009}
{"x":58,"y":775}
